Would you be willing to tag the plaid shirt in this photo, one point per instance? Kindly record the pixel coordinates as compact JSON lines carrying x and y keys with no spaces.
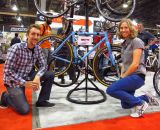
{"x":19,"y":63}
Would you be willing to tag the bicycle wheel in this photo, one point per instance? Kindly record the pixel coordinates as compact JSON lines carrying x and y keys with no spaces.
{"x":52,"y":8}
{"x":103,"y":69}
{"x":156,"y":81}
{"x":115,"y":10}
{"x":69,"y":77}
{"x":61,"y":59}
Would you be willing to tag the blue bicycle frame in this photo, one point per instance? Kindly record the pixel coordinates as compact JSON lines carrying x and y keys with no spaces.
{"x":72,"y":35}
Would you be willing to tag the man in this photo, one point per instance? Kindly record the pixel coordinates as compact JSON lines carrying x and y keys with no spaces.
{"x":19,"y":74}
{"x":146,"y":37}
{"x":46,"y":30}
{"x":15,"y":40}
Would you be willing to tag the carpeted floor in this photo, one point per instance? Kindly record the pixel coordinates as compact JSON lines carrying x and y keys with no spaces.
{"x":147,"y":122}
{"x":10,"y":120}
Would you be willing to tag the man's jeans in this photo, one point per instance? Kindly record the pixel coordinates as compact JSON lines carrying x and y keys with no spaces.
{"x":16,"y":96}
{"x":124,"y":89}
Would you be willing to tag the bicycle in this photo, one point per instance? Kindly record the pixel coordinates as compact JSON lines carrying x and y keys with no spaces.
{"x":112,"y":10}
{"x":61,"y":61}
{"x":152,"y":62}
{"x":156,"y":81}
{"x":156,"y":77}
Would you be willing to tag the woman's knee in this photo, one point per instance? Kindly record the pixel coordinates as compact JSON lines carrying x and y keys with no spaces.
{"x":110,"y":90}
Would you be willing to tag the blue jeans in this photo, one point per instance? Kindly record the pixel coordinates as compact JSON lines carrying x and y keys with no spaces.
{"x":16,"y":98}
{"x":124,"y":90}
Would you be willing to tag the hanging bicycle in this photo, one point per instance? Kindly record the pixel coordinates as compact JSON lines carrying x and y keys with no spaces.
{"x":113,"y":10}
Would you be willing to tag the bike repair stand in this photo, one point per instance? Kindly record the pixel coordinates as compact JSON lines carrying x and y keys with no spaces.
{"x":86,"y":89}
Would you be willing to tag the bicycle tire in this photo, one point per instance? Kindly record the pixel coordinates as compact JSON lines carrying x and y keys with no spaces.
{"x":155,"y":65}
{"x":47,"y":13}
{"x":68,"y":82}
{"x":112,"y":14}
{"x":156,"y":81}
{"x":106,"y":74}
{"x":60,"y":66}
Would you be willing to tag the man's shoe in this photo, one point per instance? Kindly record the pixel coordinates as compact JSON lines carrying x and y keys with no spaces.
{"x":140,"y":110}
{"x":44,"y":104}
{"x":2,"y":102}
{"x":152,"y":100}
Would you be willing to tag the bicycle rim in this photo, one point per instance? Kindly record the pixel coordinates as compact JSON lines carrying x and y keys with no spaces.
{"x":52,"y":8}
{"x":61,"y":61}
{"x":114,"y":10}
{"x":103,"y":69}
{"x":156,"y":81}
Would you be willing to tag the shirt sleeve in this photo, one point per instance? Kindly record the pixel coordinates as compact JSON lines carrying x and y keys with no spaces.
{"x":137,"y":43}
{"x":9,"y":68}
{"x":42,"y":62}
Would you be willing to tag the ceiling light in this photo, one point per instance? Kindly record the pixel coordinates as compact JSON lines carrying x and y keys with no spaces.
{"x":14,"y":7}
{"x":22,"y":25}
{"x":19,"y":18}
{"x":125,"y":5}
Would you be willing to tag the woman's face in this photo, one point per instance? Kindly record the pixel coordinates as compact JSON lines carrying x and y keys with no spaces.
{"x":124,"y":30}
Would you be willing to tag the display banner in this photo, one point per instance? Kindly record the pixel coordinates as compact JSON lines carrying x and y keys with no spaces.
{"x":15,"y":29}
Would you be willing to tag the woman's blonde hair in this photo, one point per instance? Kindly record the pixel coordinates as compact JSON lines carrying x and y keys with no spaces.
{"x":130,"y":26}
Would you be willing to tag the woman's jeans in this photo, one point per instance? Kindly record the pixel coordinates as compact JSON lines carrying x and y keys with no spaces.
{"x":16,"y":96}
{"x":124,"y":89}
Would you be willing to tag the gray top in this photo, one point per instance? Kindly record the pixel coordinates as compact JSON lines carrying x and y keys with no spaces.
{"x":128,"y":46}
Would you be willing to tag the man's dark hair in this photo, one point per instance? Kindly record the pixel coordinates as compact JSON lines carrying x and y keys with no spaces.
{"x":16,"y":34}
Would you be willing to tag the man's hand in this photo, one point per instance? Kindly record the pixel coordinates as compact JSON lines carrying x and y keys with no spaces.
{"x":31,"y":84}
{"x":37,"y":80}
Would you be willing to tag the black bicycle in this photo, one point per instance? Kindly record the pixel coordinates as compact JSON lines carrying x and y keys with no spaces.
{"x":112,"y":10}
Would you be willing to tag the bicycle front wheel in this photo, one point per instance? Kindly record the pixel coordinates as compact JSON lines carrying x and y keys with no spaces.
{"x":115,"y":10}
{"x":61,"y":54}
{"x":103,"y":69}
{"x":156,"y":81}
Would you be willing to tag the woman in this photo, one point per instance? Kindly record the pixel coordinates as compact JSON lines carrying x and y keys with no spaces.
{"x":133,"y":71}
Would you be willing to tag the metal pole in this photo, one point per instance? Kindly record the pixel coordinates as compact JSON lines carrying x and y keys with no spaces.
{"x":86,"y":14}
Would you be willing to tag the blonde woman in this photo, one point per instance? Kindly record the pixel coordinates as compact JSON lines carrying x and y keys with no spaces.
{"x":133,"y":71}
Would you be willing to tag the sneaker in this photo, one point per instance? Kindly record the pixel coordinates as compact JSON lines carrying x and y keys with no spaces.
{"x":133,"y":110}
{"x":2,"y":102}
{"x":152,"y":100}
{"x":44,"y":104}
{"x":140,"y":110}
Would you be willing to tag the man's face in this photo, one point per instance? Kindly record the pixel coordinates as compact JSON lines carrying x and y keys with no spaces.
{"x":140,"y":27}
{"x":33,"y":37}
{"x":124,"y":30}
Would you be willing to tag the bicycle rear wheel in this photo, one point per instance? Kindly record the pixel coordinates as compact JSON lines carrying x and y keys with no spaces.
{"x":103,"y":69}
{"x":156,"y":81}
{"x":60,"y":61}
{"x":115,"y":10}
{"x":52,"y":8}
